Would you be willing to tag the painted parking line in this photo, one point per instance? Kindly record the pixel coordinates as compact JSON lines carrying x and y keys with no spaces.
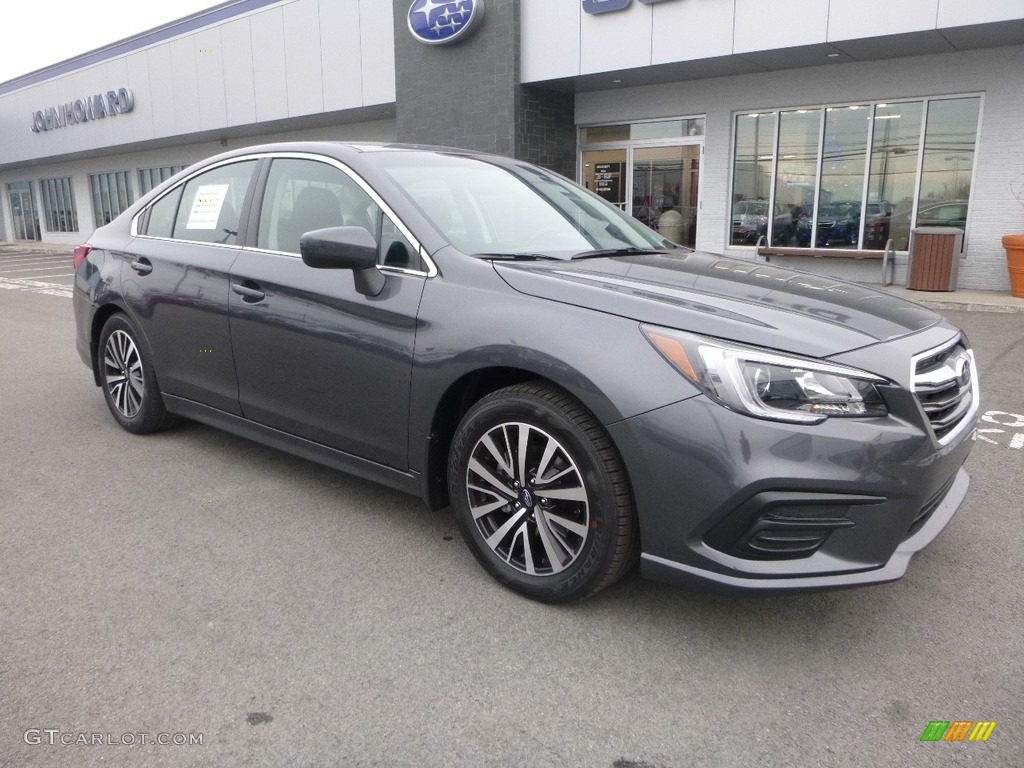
{"x":44,"y":277}
{"x":4,"y":270}
{"x":35,"y":286}
{"x":19,"y":259}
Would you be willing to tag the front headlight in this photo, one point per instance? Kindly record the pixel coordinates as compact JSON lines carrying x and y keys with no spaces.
{"x":766,"y":384}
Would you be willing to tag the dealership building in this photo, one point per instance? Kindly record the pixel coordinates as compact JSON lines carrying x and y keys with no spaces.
{"x":822,"y":128}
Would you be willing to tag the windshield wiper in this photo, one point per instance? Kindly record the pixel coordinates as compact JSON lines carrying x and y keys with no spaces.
{"x":630,"y":251}
{"x":519,"y":256}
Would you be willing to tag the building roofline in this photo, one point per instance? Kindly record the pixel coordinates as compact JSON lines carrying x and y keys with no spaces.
{"x":172,"y":29}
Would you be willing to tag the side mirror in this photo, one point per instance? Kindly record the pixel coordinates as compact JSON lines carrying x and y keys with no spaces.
{"x":345,"y":248}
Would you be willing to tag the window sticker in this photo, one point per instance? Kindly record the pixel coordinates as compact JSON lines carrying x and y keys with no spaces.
{"x":207,"y":205}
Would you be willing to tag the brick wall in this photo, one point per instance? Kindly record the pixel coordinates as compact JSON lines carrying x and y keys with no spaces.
{"x":468,"y":94}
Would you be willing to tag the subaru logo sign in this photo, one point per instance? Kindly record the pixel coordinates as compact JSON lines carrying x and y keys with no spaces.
{"x":438,"y":23}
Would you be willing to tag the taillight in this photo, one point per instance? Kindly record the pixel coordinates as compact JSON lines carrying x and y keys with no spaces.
{"x":80,"y":253}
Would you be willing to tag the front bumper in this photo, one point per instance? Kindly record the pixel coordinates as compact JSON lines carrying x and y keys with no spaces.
{"x":752,"y":504}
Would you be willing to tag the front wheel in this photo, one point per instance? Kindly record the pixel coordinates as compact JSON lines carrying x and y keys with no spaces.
{"x":127,"y":378}
{"x":540,"y":494}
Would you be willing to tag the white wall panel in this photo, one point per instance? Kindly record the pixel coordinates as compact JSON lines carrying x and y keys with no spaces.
{"x":956,"y":13}
{"x":618,"y":40}
{"x":696,"y":29}
{"x":853,"y":19}
{"x":550,"y":39}
{"x":161,"y":88}
{"x":140,"y":119}
{"x":377,"y":40}
{"x":268,"y":64}
{"x":763,"y":25}
{"x":237,"y":61}
{"x":341,"y":56}
{"x":302,"y":58}
{"x":185,"y":84}
{"x":210,"y":79}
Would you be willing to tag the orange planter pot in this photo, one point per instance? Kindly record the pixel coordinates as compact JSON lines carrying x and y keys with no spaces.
{"x":1014,"y":245}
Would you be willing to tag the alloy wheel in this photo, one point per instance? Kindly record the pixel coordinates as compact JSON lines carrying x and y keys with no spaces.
{"x":528,"y":499}
{"x":122,"y":371}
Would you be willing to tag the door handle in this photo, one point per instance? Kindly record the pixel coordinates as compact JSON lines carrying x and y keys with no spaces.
{"x":142,"y":265}
{"x":250,"y":293}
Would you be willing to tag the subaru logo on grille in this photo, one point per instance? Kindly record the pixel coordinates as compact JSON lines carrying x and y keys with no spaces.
{"x":963,"y":372}
{"x":439,"y":23}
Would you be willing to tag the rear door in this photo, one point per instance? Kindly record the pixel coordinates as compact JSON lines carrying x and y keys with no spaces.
{"x":176,"y":282}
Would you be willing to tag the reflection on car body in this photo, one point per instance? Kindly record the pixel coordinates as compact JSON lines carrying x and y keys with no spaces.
{"x":581,"y":392}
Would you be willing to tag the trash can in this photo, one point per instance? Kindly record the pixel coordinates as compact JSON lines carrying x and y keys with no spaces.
{"x":934,"y":260}
{"x":670,"y":225}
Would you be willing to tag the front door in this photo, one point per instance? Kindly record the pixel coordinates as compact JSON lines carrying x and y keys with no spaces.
{"x":649,"y":170}
{"x":316,"y":357}
{"x":666,"y":186}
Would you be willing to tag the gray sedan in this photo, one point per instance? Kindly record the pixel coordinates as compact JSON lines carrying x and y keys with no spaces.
{"x":491,"y":337}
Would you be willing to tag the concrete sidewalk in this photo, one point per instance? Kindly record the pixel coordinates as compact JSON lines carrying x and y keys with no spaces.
{"x":965,"y":299}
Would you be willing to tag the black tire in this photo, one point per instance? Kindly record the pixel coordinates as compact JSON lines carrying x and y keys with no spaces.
{"x":127,"y":379}
{"x":571,"y":530}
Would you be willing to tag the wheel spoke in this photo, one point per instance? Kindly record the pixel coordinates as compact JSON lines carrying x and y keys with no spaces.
{"x":552,"y":547}
{"x":485,"y":474}
{"x":549,"y":452}
{"x":524,"y":534}
{"x":503,"y":463}
{"x":524,"y":442}
{"x":483,"y":510}
{"x":579,"y":493}
{"x":569,"y":525}
{"x":548,"y":480}
{"x":498,"y":536}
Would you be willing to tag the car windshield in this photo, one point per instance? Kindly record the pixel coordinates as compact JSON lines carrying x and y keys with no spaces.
{"x":750,"y":208}
{"x":492,"y":210}
{"x":839,"y":209}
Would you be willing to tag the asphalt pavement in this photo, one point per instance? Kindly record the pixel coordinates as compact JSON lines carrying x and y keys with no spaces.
{"x":195,"y":586}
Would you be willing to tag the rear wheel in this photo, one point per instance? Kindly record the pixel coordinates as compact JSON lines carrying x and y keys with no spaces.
{"x":127,"y":379}
{"x":540,"y":494}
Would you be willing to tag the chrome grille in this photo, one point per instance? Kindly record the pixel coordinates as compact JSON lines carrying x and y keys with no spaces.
{"x":944,"y":385}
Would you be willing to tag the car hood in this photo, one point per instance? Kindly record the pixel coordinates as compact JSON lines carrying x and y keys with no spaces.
{"x":748,"y":302}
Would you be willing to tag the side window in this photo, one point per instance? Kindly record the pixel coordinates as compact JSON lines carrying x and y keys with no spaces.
{"x":211,"y":204}
{"x":395,"y":248}
{"x":162,"y":215}
{"x":304,"y":195}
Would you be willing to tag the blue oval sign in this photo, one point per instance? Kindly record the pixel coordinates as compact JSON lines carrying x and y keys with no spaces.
{"x":435,"y":22}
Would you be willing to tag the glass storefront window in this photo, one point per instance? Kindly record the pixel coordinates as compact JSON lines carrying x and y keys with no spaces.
{"x":948,"y":162}
{"x":796,"y":174}
{"x":152,"y":177}
{"x":842,"y":177}
{"x":752,"y":176}
{"x":600,"y":133}
{"x":869,"y":174}
{"x":662,"y":129}
{"x":894,"y":151}
{"x":59,"y":205}
{"x":111,"y":194}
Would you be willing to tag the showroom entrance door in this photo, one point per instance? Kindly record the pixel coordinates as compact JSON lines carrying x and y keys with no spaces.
{"x":23,"y":211}
{"x":649,"y":170}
